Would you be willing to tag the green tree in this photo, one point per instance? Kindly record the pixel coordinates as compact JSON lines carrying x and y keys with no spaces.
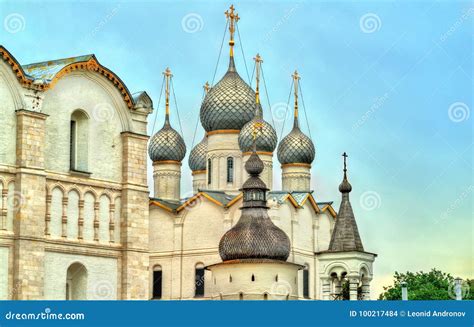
{"x":434,"y":285}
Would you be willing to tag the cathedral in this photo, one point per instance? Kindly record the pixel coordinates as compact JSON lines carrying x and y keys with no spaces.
{"x":77,"y":220}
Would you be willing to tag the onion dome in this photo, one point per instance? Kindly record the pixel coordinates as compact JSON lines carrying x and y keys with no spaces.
{"x":254,"y":236}
{"x":345,"y":236}
{"x":266,"y":138}
{"x":197,"y":157}
{"x":167,"y":144}
{"x":296,"y":147}
{"x":230,"y":104}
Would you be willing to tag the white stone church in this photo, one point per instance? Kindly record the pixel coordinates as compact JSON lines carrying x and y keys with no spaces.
{"x":77,"y":220}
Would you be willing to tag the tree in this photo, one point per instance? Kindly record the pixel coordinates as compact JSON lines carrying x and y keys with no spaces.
{"x":434,"y":285}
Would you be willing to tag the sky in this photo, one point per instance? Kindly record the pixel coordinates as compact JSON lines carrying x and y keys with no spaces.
{"x":390,"y":83}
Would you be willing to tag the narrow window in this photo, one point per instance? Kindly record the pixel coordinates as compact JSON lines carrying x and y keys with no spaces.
{"x":209,"y":171}
{"x":253,"y":277}
{"x":306,"y":282}
{"x":230,"y":170}
{"x":72,"y":145}
{"x":79,"y":141}
{"x":157,"y":282}
{"x":199,"y":273}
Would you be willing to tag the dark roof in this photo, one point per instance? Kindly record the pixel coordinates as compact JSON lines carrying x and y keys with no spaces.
{"x":173,"y":205}
{"x":254,"y":236}
{"x":345,"y":236}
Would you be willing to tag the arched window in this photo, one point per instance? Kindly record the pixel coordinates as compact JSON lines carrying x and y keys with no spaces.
{"x":157,"y":282}
{"x":209,"y":171}
{"x":306,"y":282}
{"x":79,"y":141}
{"x":76,"y":282}
{"x":230,"y":170}
{"x":199,"y":275}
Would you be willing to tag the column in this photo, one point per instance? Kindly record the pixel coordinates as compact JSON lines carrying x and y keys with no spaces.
{"x":111,"y":223}
{"x":365,"y":289}
{"x":96,"y":220}
{"x":80,"y":221}
{"x":3,"y":213}
{"x":64,"y":217}
{"x":326,"y":287}
{"x":337,"y":288}
{"x":353,"y":285}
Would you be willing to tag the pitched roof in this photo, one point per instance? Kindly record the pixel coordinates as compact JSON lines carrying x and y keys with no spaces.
{"x":217,"y":197}
{"x":345,"y":236}
{"x":43,"y":75}
{"x":47,"y":70}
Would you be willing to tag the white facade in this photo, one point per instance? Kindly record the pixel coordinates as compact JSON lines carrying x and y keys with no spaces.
{"x":85,"y":224}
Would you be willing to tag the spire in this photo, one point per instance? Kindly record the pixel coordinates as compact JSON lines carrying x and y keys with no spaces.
{"x":233,"y":18}
{"x":168,"y":75}
{"x":258,"y":63}
{"x":296,"y":78}
{"x":345,"y":236}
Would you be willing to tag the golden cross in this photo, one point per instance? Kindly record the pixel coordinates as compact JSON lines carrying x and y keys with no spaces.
{"x":207,"y":87}
{"x":256,"y":126}
{"x":168,"y":76}
{"x":296,"y":78}
{"x":233,"y":18}
{"x":258,"y":62}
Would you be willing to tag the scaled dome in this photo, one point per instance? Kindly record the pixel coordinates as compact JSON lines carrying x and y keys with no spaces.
{"x":197,"y":157}
{"x":254,"y":236}
{"x":266,"y":138}
{"x":230,"y":104}
{"x":167,"y":144}
{"x":296,"y":147}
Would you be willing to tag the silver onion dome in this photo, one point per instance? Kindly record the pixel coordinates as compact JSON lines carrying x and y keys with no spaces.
{"x":197,"y":157}
{"x":167,"y":144}
{"x":296,"y":147}
{"x":266,"y":138}
{"x":230,"y":104}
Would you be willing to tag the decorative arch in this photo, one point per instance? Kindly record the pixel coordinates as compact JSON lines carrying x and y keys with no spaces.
{"x":55,"y":185}
{"x":76,"y":282}
{"x":333,"y":267}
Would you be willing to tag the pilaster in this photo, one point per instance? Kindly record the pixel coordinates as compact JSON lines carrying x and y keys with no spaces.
{"x":135,"y":221}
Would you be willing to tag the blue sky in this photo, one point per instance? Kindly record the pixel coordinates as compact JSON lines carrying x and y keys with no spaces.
{"x":389,"y":83}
